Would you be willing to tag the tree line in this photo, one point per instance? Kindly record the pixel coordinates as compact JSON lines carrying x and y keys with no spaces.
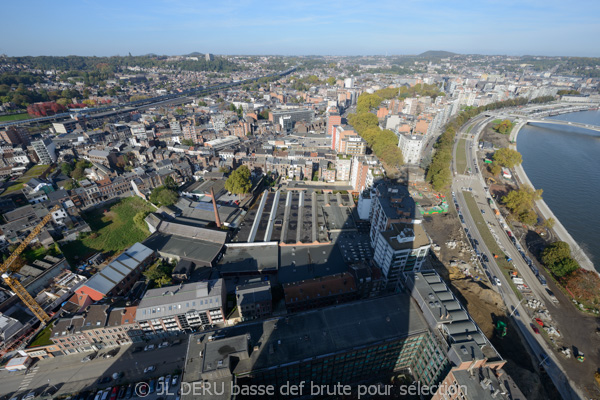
{"x":438,"y":172}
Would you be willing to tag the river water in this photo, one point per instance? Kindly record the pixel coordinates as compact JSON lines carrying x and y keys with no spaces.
{"x":564,"y":161}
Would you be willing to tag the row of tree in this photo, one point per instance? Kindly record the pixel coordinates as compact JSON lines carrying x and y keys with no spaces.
{"x":383,"y":143}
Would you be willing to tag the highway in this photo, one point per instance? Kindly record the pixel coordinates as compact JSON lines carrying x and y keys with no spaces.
{"x":475,"y":186}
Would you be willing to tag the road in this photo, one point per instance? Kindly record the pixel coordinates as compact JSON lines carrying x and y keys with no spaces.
{"x":69,"y":374}
{"x":536,"y":342}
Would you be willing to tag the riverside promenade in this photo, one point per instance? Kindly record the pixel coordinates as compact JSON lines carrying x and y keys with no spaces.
{"x":559,"y":230}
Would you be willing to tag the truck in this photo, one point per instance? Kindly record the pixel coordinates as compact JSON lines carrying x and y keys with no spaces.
{"x":496,"y":212}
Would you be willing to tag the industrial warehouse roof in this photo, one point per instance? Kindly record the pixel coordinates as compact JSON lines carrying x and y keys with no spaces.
{"x":105,"y":280}
{"x":247,"y":258}
{"x":180,"y":299}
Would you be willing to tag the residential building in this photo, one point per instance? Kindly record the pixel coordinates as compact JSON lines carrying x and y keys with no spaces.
{"x":45,"y":150}
{"x":15,"y":135}
{"x":401,"y":250}
{"x":390,"y":204}
{"x":333,"y":120}
{"x":343,"y":164}
{"x":411,"y":146}
{"x":188,"y":306}
{"x":359,"y":174}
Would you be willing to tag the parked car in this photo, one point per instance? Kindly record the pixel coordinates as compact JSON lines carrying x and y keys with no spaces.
{"x":497,"y":281}
{"x":149,"y":369}
{"x":174,"y":380}
{"x":99,"y":395}
{"x":122,"y":392}
{"x":535,"y":329}
{"x":149,"y":347}
{"x":129,"y":391}
{"x":163,"y":345}
{"x":114,"y":392}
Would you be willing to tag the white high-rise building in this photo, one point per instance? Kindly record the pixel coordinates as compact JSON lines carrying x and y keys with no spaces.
{"x":411,"y":146}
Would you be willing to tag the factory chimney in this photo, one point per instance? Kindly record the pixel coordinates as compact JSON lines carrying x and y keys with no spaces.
{"x":217,"y":218}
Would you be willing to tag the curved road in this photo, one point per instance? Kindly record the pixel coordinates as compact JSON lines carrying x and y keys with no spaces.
{"x":540,"y":348}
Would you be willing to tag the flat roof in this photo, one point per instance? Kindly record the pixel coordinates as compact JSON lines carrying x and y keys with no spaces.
{"x":180,"y":299}
{"x":309,"y":334}
{"x":255,"y":257}
{"x":307,"y":262}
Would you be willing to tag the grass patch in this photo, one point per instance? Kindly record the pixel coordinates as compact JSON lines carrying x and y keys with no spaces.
{"x":113,"y":230}
{"x":489,"y":240}
{"x":14,"y":117}
{"x":43,"y":337}
{"x":40,"y":252}
{"x":461,"y":156}
{"x":496,"y":122}
{"x":469,"y":128}
{"x":33,"y":172}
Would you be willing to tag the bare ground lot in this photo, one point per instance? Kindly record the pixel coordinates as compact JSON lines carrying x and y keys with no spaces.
{"x":486,"y":306}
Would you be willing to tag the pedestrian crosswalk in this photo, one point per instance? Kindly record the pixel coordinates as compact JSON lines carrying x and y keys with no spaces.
{"x":28,"y":378}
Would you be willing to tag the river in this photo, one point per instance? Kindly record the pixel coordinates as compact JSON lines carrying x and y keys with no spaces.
{"x":564,"y":161}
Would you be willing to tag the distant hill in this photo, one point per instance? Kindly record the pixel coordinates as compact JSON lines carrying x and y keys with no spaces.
{"x":194,"y":54}
{"x":437,"y":53}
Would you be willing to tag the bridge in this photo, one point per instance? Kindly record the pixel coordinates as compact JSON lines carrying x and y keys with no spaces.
{"x":559,"y":122}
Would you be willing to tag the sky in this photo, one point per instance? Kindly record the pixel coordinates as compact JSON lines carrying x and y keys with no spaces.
{"x":290,"y":27}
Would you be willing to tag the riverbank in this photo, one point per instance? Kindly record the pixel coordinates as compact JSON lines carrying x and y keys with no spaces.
{"x":559,"y":230}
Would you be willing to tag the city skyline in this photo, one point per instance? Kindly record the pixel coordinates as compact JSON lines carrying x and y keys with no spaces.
{"x":173,"y":27}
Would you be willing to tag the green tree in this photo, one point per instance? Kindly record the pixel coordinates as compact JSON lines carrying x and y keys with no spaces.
{"x":187,"y":142}
{"x":239,"y":181}
{"x":495,"y":169}
{"x":504,"y":127}
{"x":159,"y":274}
{"x":331,"y":81}
{"x":508,"y":158}
{"x":520,"y":202}
{"x":557,"y":257}
{"x":202,"y":103}
{"x":180,"y":111}
{"x":549,"y":223}
{"x":162,"y":196}
{"x":170,"y":183}
{"x":66,"y":168}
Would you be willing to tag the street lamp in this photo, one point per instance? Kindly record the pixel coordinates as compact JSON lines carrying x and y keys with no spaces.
{"x":517,"y":306}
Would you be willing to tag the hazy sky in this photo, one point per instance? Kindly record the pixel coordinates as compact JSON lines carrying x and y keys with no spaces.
{"x":288,"y":27}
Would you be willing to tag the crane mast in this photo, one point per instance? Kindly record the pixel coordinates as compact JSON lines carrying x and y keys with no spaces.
{"x":14,"y":283}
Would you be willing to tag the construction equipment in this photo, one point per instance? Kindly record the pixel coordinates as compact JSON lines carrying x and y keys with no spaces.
{"x":14,"y":283}
{"x":490,"y":180}
{"x":580,"y":356}
{"x":501,"y":328}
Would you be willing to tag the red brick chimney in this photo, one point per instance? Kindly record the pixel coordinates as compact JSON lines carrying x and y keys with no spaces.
{"x":217,"y":218}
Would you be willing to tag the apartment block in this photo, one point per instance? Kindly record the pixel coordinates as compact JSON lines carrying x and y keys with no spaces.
{"x":183,"y":307}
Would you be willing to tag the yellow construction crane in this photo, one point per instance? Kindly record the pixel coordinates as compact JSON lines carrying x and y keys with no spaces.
{"x":14,"y":283}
